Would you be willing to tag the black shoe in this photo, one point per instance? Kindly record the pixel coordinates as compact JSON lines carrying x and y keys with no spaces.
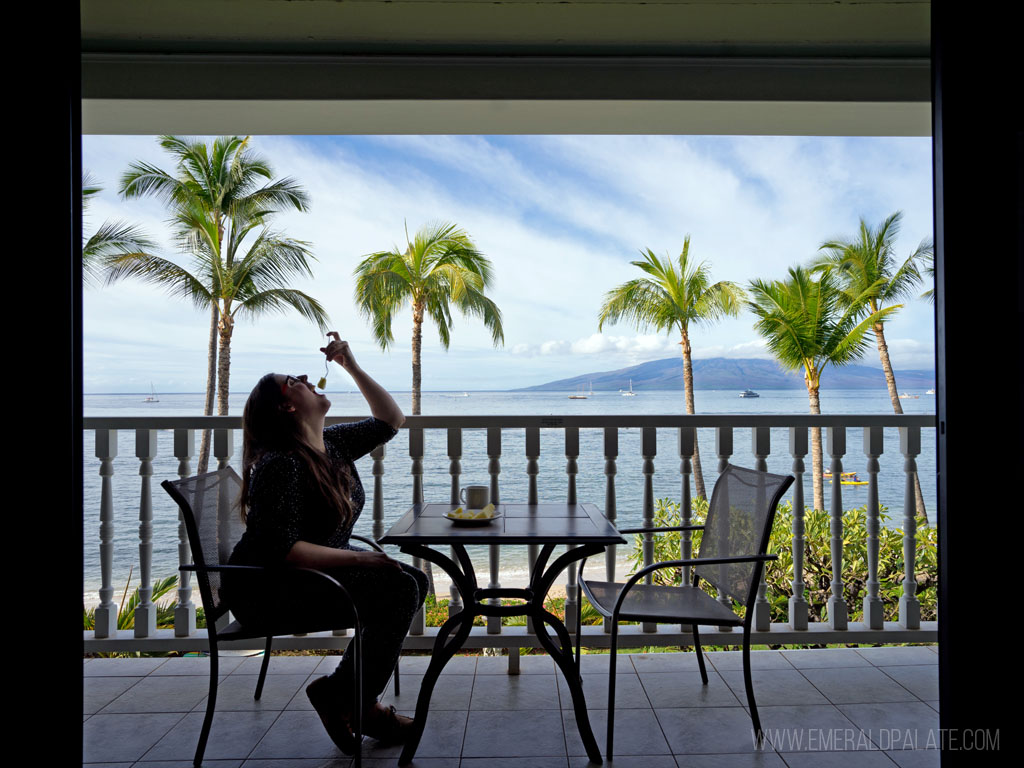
{"x":337,"y":722}
{"x":387,"y":726}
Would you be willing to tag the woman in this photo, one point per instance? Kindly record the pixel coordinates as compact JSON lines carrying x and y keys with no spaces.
{"x":301,"y":497}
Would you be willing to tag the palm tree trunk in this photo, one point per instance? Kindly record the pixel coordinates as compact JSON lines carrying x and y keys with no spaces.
{"x":417,"y":344}
{"x":698,"y":476}
{"x":897,"y":407}
{"x":211,"y":383}
{"x":817,"y":466}
{"x":890,"y":379}
{"x":225,"y":328}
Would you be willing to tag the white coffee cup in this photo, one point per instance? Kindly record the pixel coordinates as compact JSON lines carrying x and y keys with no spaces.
{"x":475,"y":496}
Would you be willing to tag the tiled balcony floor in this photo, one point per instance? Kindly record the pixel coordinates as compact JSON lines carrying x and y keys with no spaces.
{"x":842,"y":707}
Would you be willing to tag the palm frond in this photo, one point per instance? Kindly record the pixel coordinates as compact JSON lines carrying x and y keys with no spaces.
{"x":113,"y":238}
{"x":279,"y":300}
{"x":641,"y":302}
{"x":154,"y":270}
{"x":475,"y":304}
{"x":440,"y":265}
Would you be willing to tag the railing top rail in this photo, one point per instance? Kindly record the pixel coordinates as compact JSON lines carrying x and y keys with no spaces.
{"x":621,"y":421}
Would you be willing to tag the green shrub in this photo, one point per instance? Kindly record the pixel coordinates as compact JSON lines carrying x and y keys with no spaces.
{"x":817,"y":559}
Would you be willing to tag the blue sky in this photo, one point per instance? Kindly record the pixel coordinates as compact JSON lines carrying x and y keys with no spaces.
{"x":560,"y":217}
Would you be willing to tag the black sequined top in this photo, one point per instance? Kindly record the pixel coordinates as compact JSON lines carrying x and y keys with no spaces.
{"x":285,"y":505}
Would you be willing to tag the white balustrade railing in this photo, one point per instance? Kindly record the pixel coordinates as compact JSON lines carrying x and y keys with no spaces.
{"x":798,"y":628}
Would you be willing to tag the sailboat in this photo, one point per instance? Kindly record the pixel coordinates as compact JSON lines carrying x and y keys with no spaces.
{"x":152,"y":397}
{"x":580,"y":395}
{"x":630,"y":392}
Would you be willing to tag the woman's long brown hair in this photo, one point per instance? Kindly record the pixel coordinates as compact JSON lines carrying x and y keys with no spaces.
{"x":268,"y":427}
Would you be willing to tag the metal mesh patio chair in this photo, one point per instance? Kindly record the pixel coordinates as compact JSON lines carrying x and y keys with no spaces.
{"x":731,"y":558}
{"x":209,"y":506}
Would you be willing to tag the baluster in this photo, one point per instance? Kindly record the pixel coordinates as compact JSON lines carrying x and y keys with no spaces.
{"x":873,"y":607}
{"x":455,"y":470}
{"x":145,"y":612}
{"x":798,"y":602}
{"x":416,"y":454}
{"x":378,"y":454}
{"x":106,"y":612}
{"x":494,"y":551}
{"x":611,"y":452}
{"x":910,"y":607}
{"x":185,"y":610}
{"x":838,"y":613}
{"x":572,"y":452}
{"x":649,"y":449}
{"x":532,"y":469}
{"x":761,"y":448}
{"x":687,"y":439}
{"x":223,"y":449}
{"x":723,"y":447}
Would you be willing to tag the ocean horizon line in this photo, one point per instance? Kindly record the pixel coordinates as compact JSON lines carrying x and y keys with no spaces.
{"x":522,"y":390}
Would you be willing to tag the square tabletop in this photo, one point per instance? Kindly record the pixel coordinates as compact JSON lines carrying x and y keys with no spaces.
{"x":518,"y":524}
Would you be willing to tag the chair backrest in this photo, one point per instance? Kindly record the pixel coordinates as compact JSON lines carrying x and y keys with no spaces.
{"x":209,"y":505}
{"x":739,"y":522}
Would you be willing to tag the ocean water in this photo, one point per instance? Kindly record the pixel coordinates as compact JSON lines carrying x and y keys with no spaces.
{"x":552,"y":480}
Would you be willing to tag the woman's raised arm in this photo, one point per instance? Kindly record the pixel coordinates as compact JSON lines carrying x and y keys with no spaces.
{"x":382,"y":404}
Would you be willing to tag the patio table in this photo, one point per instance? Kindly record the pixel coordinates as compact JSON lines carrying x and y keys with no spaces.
{"x":581,"y":526}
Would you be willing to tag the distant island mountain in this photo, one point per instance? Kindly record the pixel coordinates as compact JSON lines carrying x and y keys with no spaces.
{"x":739,"y":374}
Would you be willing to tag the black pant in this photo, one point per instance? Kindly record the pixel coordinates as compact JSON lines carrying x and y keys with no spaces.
{"x":386,"y":599}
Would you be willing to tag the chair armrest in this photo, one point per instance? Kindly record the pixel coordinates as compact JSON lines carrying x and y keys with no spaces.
{"x":657,"y":530}
{"x":350,"y":603}
{"x":365,"y":540}
{"x":194,"y":567}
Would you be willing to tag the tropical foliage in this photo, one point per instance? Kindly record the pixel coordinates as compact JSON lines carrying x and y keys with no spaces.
{"x":809,"y":323}
{"x":870,"y":274}
{"x":438,"y":269}
{"x":221,"y":199}
{"x":817,"y":559}
{"x":164,"y":610}
{"x":112,"y":239}
{"x":671,"y":297}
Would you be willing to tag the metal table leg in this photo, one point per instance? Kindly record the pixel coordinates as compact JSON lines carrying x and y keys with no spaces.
{"x":464,"y":578}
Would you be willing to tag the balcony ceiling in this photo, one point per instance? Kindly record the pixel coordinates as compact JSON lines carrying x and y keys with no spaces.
{"x":878,"y":28}
{"x":354,"y":66}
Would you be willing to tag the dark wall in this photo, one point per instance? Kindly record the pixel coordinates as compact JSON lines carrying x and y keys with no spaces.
{"x":979,"y":247}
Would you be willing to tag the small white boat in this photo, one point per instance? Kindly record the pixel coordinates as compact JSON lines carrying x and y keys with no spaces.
{"x":152,"y":397}
{"x":629,"y":392}
{"x":905,"y":396}
{"x":930,"y":392}
{"x":749,"y":393}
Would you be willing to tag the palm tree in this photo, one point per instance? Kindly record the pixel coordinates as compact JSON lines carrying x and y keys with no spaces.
{"x":670,"y":298}
{"x":211,"y":186}
{"x":928,"y":262}
{"x":869,"y":273}
{"x":439,"y":268}
{"x":808,"y":324}
{"x":113,"y":238}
